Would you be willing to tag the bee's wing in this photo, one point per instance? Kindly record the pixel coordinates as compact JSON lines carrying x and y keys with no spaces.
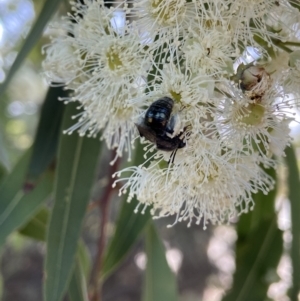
{"x":146,"y":132}
{"x":166,"y":143}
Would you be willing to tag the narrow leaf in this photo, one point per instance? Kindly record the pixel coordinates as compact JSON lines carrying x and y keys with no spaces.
{"x":264,"y":210}
{"x":46,"y":139}
{"x":294,"y":197}
{"x":13,"y":181}
{"x":17,"y":207}
{"x":78,"y":287}
{"x":4,"y":159}
{"x":160,"y":282}
{"x":36,"y":229}
{"x":48,"y":9}
{"x":77,"y":161}
{"x":3,"y":172}
{"x":129,"y":226}
{"x":10,"y":191}
{"x":128,"y":229}
{"x":258,"y":250}
{"x":84,"y":257}
{"x":256,"y":255}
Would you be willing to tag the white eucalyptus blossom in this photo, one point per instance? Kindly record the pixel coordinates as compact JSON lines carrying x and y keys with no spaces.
{"x":186,"y":88}
{"x":164,"y":69}
{"x":205,"y":185}
{"x":214,"y":12}
{"x":255,"y":121}
{"x":104,"y":65}
{"x":163,"y":21}
{"x":208,"y":50}
{"x":252,"y":20}
{"x":61,"y":63}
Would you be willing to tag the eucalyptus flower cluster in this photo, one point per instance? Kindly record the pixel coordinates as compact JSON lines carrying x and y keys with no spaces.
{"x":230,"y":114}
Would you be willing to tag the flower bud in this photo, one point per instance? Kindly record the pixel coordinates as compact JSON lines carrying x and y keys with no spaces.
{"x":253,"y":79}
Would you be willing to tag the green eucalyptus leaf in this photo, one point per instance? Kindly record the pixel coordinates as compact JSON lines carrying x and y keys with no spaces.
{"x":4,"y":159}
{"x":257,"y":255}
{"x":36,"y":229}
{"x":17,"y":210}
{"x":258,"y":250}
{"x":84,"y":257}
{"x":1,"y":286}
{"x":263,"y":210}
{"x":3,"y":172}
{"x":76,"y":165}
{"x":129,"y":227}
{"x":160,"y":282}
{"x":46,"y":140}
{"x":78,"y":287}
{"x":17,"y":206}
{"x":14,"y":181}
{"x":294,"y":197}
{"x":48,"y":10}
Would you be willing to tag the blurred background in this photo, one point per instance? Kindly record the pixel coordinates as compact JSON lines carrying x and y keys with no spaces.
{"x":204,"y":261}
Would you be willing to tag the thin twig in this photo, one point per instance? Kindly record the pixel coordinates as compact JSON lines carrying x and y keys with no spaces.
{"x":103,"y":206}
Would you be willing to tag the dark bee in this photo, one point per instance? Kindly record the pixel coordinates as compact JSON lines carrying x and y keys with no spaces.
{"x":158,"y":114}
{"x":159,"y":126}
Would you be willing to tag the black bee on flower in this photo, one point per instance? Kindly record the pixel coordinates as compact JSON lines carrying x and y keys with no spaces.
{"x":161,"y":127}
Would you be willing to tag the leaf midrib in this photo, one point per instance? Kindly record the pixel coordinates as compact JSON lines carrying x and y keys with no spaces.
{"x":11,"y":206}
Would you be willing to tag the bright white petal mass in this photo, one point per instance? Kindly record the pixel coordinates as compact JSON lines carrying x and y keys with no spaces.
{"x":164,"y":70}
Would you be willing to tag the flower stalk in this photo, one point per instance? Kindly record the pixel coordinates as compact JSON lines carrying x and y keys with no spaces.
{"x":95,"y":291}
